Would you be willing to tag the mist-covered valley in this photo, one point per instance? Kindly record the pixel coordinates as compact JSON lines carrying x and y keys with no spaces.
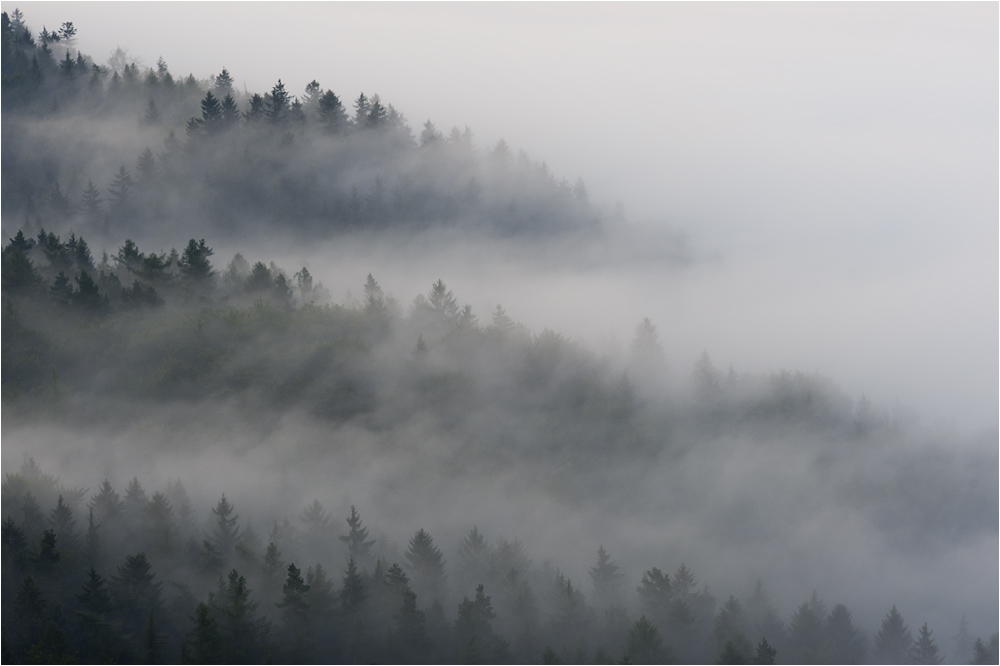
{"x":411,"y":364}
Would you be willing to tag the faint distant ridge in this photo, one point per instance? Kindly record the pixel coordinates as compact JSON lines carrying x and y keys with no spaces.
{"x":114,"y":148}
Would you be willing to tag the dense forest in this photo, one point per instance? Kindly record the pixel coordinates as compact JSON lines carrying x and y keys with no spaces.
{"x":197,"y":437}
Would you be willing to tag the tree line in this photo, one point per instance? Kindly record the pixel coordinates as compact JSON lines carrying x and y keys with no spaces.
{"x":228,"y":159}
{"x":103,"y":576}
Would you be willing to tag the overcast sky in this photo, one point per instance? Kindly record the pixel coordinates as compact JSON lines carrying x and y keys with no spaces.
{"x":840,"y":160}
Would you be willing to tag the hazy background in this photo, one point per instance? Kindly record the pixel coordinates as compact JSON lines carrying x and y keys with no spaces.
{"x":826,"y":174}
{"x":839,"y":161}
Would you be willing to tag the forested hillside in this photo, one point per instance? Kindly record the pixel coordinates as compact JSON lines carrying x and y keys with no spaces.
{"x":191,"y":440}
{"x":118,"y":151}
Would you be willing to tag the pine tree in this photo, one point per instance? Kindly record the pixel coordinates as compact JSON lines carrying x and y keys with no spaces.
{"x":331,"y":113}
{"x":277,"y":107}
{"x":607,"y":580}
{"x":28,"y":617}
{"x":257,"y":111}
{"x":203,"y":644}
{"x":135,"y":593}
{"x":655,"y":593}
{"x":358,"y":546}
{"x":924,"y":651}
{"x":981,"y":654}
{"x":295,"y":620}
{"x":95,"y":597}
{"x":442,"y":302}
{"x":152,"y":114}
{"x":63,"y":524}
{"x":361,"y":111}
{"x":426,"y":566}
{"x":230,"y":112}
{"x":893,"y":641}
{"x":226,"y":531}
{"x":211,"y":113}
{"x":353,"y":594}
{"x":152,"y":642}
{"x":473,"y":561}
{"x":805,"y":640}
{"x":847,"y":644}
{"x":121,"y":188}
{"x":145,"y":166}
{"x":474,"y":629}
{"x":87,"y":295}
{"x":729,"y":623}
{"x":765,"y":653}
{"x":409,"y":636}
{"x":244,"y":633}
{"x":58,"y":200}
{"x":61,"y":291}
{"x":272,"y":564}
{"x":106,"y":504}
{"x":194,"y":263}
{"x":160,"y":526}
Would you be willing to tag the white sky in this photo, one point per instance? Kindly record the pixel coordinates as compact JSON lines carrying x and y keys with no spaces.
{"x":841,"y":158}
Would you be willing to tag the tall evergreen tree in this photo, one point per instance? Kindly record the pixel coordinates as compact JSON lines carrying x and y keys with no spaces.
{"x":426,"y":567}
{"x":226,"y":531}
{"x":893,"y":640}
{"x":332,"y":115}
{"x":607,"y":579}
{"x":194,"y":263}
{"x":244,"y":633}
{"x":924,"y":651}
{"x":277,"y":107}
{"x":847,"y":644}
{"x":358,"y":546}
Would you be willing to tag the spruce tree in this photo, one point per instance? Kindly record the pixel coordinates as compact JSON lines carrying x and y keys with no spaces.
{"x":847,"y":644}
{"x":426,"y":567}
{"x":893,"y":640}
{"x":924,"y":651}
{"x":226,"y":531}
{"x":607,"y":580}
{"x":358,"y":546}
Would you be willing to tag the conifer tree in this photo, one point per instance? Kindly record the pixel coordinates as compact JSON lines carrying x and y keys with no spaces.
{"x":203,"y":644}
{"x":426,"y":567}
{"x":121,"y":188}
{"x":893,"y":640}
{"x":277,"y":106}
{"x":765,"y":653}
{"x":655,"y":593}
{"x":332,"y":116}
{"x":63,"y":524}
{"x":358,"y":546}
{"x":230,"y":112}
{"x":194,"y":263}
{"x":145,"y":167}
{"x":607,"y":580}
{"x":225,"y":531}
{"x":924,"y":651}
{"x":152,"y":114}
{"x":847,"y":644}
{"x":295,"y":620}
{"x":95,"y":597}
{"x":473,"y":561}
{"x":805,"y":636}
{"x":244,"y":633}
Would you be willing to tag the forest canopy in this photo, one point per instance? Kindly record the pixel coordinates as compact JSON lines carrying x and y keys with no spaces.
{"x":211,"y":456}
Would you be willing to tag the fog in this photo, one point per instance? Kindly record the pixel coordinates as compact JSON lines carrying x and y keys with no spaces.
{"x":801,"y":199}
{"x":840,"y":160}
